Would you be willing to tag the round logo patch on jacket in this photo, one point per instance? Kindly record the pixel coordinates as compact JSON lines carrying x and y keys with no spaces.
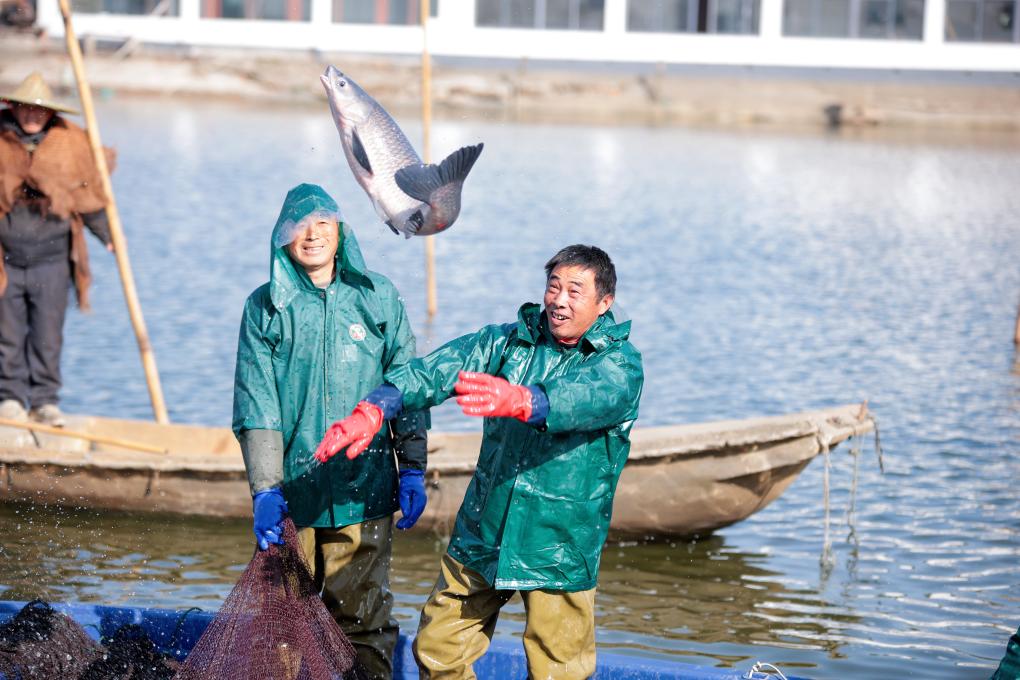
{"x":357,"y":332}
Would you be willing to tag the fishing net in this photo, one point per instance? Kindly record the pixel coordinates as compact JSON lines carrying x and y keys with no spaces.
{"x":130,"y":655}
{"x":40,"y":642}
{"x":273,"y":626}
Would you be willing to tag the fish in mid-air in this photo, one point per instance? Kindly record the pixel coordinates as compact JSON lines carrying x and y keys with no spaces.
{"x":412,"y":198}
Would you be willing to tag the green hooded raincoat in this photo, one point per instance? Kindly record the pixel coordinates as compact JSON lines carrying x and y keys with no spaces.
{"x":537,"y":510}
{"x":306,"y":356}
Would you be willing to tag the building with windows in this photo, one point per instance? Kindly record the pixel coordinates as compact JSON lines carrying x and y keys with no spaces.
{"x":955,"y":35}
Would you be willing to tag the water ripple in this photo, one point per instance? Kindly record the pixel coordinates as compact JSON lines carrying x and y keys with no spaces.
{"x":765,"y":273}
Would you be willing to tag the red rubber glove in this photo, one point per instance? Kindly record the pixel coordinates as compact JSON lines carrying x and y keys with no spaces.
{"x":488,"y":395}
{"x":355,"y":431}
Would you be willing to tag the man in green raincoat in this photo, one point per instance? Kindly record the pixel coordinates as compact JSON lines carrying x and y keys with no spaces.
{"x":559,"y":389}
{"x":1009,"y":667}
{"x":313,"y":340}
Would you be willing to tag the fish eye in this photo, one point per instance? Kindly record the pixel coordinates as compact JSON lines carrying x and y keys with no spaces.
{"x":342,"y":83}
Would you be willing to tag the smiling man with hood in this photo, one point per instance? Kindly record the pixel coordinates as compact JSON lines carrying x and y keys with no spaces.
{"x":313,"y":340}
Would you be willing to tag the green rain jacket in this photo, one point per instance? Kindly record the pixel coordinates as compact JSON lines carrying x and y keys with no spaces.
{"x":1009,"y":667}
{"x":306,"y":356}
{"x":537,"y":510}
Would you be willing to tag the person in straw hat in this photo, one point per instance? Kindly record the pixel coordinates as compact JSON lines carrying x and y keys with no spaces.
{"x":50,"y":190}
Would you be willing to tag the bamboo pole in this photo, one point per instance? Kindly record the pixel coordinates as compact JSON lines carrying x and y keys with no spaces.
{"x":116,"y":233}
{"x":1016,"y":332}
{"x":431,"y":304}
{"x":99,"y":439}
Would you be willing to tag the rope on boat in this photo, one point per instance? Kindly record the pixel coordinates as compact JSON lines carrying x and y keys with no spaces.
{"x":180,"y":625}
{"x":824,"y":440}
{"x":851,"y":510}
{"x":826,"y":558}
{"x":878,"y":443}
{"x":765,"y":669}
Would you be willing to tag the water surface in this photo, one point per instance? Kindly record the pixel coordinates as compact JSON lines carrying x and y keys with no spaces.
{"x":765,"y":273}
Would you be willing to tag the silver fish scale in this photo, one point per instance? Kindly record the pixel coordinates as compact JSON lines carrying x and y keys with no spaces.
{"x":388,"y":151}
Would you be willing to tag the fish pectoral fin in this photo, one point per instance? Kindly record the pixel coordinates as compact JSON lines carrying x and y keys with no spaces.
{"x":421,"y":181}
{"x":358,"y":149}
{"x":394,"y":229}
{"x":418,"y":181}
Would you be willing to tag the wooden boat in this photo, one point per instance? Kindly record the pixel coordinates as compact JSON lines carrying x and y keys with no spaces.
{"x":175,"y":633}
{"x":680,"y":480}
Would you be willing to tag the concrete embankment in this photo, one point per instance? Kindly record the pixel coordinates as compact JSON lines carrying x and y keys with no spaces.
{"x":590,"y":93}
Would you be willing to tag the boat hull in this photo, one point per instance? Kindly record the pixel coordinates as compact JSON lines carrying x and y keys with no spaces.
{"x":679,"y":481}
{"x":176,"y":632}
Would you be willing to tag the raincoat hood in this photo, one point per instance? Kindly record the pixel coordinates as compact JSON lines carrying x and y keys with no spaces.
{"x":286,"y":278}
{"x":532,"y":322}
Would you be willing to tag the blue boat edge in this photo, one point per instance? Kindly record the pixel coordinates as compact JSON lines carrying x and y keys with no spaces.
{"x":175,"y":632}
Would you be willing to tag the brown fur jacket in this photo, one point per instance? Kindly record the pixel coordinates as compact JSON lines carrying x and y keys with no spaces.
{"x":62,"y":169}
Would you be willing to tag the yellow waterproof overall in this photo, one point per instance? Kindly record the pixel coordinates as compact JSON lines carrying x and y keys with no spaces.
{"x":460,"y":616}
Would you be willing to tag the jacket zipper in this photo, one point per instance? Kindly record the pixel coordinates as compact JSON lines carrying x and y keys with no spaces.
{"x":517,"y":468}
{"x":325,"y":393}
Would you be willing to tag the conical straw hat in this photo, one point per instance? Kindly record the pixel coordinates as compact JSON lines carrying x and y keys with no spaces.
{"x":34,"y":90}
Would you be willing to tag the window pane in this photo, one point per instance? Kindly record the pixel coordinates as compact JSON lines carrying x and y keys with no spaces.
{"x":275,"y":10}
{"x":834,"y":18}
{"x":961,"y":20}
{"x":657,"y":15}
{"x":910,"y":19}
{"x":557,"y":14}
{"x":505,"y":13}
{"x":487,"y":12}
{"x":128,"y":7}
{"x":644,"y":15}
{"x":232,"y":9}
{"x":876,"y":17}
{"x":997,"y":24}
{"x":271,"y":9}
{"x":817,"y":18}
{"x":592,"y":15}
{"x":403,"y":12}
{"x":518,"y":13}
{"x":736,"y":16}
{"x":797,"y":17}
{"x":354,"y":11}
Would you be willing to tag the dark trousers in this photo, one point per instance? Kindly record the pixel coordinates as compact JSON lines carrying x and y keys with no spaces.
{"x":32,"y":311}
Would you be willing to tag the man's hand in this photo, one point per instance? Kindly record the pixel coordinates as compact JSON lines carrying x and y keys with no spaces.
{"x":269,"y":508}
{"x":487,"y":395}
{"x":355,"y":432}
{"x":412,"y":497}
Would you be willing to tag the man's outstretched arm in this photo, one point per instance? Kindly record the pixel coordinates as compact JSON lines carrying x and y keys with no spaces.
{"x":417,"y":385}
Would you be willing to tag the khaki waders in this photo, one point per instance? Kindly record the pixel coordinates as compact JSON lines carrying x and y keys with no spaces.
{"x":459,"y":618}
{"x":351,"y":568}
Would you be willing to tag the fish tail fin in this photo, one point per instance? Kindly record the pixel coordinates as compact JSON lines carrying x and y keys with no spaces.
{"x":458,"y":164}
{"x":420,"y":181}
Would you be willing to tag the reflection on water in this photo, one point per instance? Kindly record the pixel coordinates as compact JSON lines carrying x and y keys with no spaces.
{"x":119,"y":558}
{"x":765,"y":273}
{"x":694,"y":599}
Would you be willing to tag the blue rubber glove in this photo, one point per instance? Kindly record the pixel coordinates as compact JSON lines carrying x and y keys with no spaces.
{"x":412,"y":497}
{"x":269,"y":508}
{"x":388,"y":398}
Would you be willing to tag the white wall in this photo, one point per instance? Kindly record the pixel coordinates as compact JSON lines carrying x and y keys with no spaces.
{"x":452,"y":33}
